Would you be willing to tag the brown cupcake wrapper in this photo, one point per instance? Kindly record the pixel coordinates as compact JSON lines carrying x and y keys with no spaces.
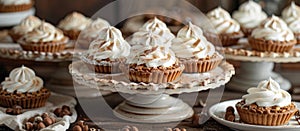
{"x":271,"y":45}
{"x":225,"y":39}
{"x":272,"y":119}
{"x":16,"y":8}
{"x":155,"y":76}
{"x":35,"y":101}
{"x":54,"y":47}
{"x":247,"y":31}
{"x":200,"y":66}
{"x":106,"y":69}
{"x":72,"y":34}
{"x":297,"y":36}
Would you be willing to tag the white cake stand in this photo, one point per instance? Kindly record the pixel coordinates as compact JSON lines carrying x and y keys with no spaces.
{"x":14,"y":18}
{"x":151,"y":103}
{"x":60,"y":81}
{"x":257,"y":66}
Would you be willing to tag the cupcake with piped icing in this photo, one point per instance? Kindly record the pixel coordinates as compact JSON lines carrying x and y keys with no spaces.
{"x":23,"y":88}
{"x":15,"y":5}
{"x":227,"y":29}
{"x":44,"y":38}
{"x":249,"y":15}
{"x":91,"y":32}
{"x":25,"y":26}
{"x":194,"y":51}
{"x":291,"y":15}
{"x":152,"y":61}
{"x":107,"y":52}
{"x":266,"y":105}
{"x":73,"y":24}
{"x":273,"y":35}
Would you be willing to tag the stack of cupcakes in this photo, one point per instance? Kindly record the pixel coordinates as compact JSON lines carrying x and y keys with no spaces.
{"x":266,"y":104}
{"x":23,"y":88}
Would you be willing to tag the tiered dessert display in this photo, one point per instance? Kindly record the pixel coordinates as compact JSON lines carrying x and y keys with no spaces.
{"x":150,"y":69}
{"x":269,"y":41}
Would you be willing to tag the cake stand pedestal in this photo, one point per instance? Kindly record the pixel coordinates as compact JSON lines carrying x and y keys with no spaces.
{"x":257,"y":66}
{"x":60,"y":80}
{"x":151,"y":103}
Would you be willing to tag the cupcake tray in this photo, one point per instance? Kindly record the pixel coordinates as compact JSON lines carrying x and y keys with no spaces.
{"x":151,"y":103}
{"x":217,"y":112}
{"x":257,"y":66}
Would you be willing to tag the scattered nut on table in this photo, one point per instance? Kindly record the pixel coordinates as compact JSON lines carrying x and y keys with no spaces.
{"x":130,"y":128}
{"x":15,"y":110}
{"x":38,"y":122}
{"x":62,"y":111}
{"x":80,"y":126}
{"x":229,"y":115}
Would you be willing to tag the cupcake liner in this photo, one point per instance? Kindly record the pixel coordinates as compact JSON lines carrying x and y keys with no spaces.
{"x":155,"y":75}
{"x":271,"y":45}
{"x":247,"y":31}
{"x":106,"y":67}
{"x":297,"y":36}
{"x":200,"y":66}
{"x":72,"y":34}
{"x":225,"y":39}
{"x":25,"y":100}
{"x":270,"y":119}
{"x":15,"y":8}
{"x":53,"y":46}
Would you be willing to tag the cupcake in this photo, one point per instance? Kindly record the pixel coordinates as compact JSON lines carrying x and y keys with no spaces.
{"x":266,"y":105}
{"x":227,"y":29}
{"x":73,"y":24}
{"x":291,"y":16}
{"x":44,"y":38}
{"x":153,"y":62}
{"x":272,"y":35}
{"x":194,"y":51}
{"x":25,"y":26}
{"x":91,"y":32}
{"x":249,"y":15}
{"x":158,"y":27}
{"x":23,"y":88}
{"x":107,"y":52}
{"x":15,"y":5}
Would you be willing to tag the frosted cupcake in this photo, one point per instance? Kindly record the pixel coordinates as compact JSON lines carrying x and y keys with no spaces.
{"x":291,"y":16}
{"x":25,"y":26}
{"x":73,"y":24}
{"x":15,"y":5}
{"x":107,"y":52}
{"x":194,"y":51}
{"x":249,"y":15}
{"x":153,"y":64}
{"x":272,"y":35}
{"x":44,"y":38}
{"x":91,"y":32}
{"x":228,"y":30}
{"x":158,"y":27}
{"x":266,"y":104}
{"x":23,"y":88}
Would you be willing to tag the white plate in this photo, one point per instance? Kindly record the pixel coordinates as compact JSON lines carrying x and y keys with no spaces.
{"x":217,"y":112}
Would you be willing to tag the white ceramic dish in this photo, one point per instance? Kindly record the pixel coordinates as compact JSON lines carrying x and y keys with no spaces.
{"x":217,"y":112}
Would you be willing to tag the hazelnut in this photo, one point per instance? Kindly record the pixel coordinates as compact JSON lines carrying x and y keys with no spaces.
{"x":9,"y":111}
{"x":28,"y":126}
{"x":41,"y":125}
{"x":65,"y":112}
{"x":80,"y":123}
{"x":85,"y":128}
{"x":57,"y":111}
{"x":77,"y":128}
{"x":38,"y":119}
{"x":52,"y":119}
{"x":31,"y":119}
{"x":65,"y":107}
{"x":47,"y":121}
{"x":44,"y":115}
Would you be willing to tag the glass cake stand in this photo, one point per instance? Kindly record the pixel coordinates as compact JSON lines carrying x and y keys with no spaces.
{"x":257,"y":66}
{"x":60,"y":80}
{"x":152,"y":103}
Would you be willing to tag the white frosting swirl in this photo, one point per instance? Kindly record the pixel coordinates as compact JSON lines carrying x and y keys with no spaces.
{"x":148,"y":38}
{"x":22,"y":80}
{"x":44,"y":33}
{"x":250,"y":14}
{"x":94,"y":28}
{"x":15,"y":2}
{"x":295,"y":25}
{"x":74,"y":21}
{"x":222,"y":21}
{"x":291,"y":13}
{"x":110,"y":44}
{"x":267,"y":94}
{"x":27,"y":25}
{"x":157,"y":56}
{"x":190,"y":43}
{"x":273,"y":28}
{"x":158,"y":27}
